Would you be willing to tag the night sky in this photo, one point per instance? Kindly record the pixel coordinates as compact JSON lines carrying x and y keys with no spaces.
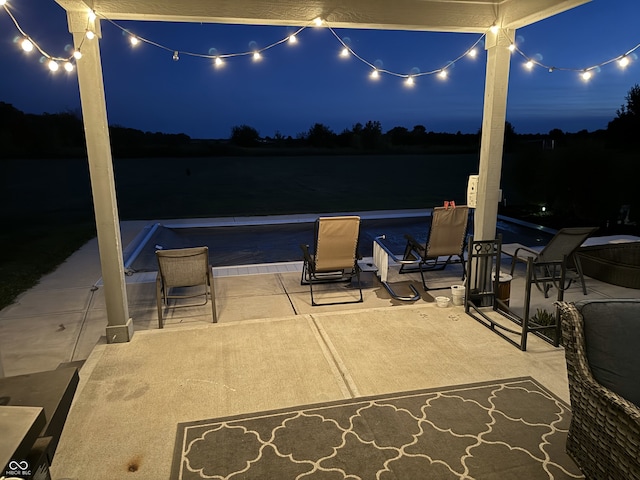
{"x":294,"y":86}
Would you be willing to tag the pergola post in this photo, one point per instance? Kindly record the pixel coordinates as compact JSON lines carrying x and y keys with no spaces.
{"x":96,"y":127}
{"x":493,"y":124}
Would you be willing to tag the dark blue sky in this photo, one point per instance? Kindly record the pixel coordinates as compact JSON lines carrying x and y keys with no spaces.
{"x":295,"y":86}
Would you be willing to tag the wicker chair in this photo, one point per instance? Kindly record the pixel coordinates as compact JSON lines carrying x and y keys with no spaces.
{"x":604,"y":435}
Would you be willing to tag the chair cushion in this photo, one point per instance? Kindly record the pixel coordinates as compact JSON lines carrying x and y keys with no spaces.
{"x":612,"y":339}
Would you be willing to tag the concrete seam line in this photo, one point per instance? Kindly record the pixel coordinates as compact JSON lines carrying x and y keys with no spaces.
{"x":348,"y":385}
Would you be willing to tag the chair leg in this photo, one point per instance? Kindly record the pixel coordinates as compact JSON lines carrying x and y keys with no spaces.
{"x":159,"y":301}
{"x":213,"y":297}
{"x":576,"y":261}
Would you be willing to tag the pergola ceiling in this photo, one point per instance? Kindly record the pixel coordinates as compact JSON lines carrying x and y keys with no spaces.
{"x":472,"y":16}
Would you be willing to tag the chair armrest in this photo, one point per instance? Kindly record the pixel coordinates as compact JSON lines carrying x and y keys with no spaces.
{"x":413,"y":244}
{"x":515,"y":254}
{"x":305,"y":252}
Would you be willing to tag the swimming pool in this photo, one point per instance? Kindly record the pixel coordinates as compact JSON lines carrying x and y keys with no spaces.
{"x":231,"y":245}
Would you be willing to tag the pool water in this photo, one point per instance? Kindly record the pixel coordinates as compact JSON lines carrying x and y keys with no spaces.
{"x":257,"y":244}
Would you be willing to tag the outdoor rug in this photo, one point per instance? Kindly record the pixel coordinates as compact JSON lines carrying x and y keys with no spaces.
{"x":505,"y":429}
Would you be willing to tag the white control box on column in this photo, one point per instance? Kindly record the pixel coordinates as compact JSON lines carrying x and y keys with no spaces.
{"x":472,"y":191}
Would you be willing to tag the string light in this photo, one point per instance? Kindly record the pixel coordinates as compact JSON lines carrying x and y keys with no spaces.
{"x":28,"y":45}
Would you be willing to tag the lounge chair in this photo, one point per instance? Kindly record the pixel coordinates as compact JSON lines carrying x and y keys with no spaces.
{"x":335,"y":258}
{"x":184,"y":268}
{"x":560,"y":248}
{"x":446,"y":238}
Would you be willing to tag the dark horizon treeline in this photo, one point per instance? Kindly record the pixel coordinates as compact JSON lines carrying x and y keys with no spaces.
{"x":61,"y":135}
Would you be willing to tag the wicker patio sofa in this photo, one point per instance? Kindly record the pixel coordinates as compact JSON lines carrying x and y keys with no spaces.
{"x":618,"y":264}
{"x":601,"y":342}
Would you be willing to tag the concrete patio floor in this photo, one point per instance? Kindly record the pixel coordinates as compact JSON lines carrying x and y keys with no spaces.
{"x":271,"y":349}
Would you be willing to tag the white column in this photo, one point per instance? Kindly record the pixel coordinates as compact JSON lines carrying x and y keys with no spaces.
{"x":492,"y":142}
{"x":96,"y":127}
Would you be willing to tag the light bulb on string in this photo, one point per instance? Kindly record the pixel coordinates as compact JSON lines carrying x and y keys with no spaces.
{"x":26,"y":45}
{"x":442,"y":74}
{"x":2,"y":2}
{"x":218,"y":62}
{"x":512,"y":47}
{"x":292,"y":39}
{"x":586,"y":75}
{"x":623,"y":62}
{"x":92,"y":16}
{"x":257,"y":56}
{"x":528,"y":65}
{"x":472,"y":53}
{"x":317,"y":22}
{"x":344,"y":53}
{"x":494,"y":29}
{"x":77,"y":54}
{"x":176,"y":57}
{"x":409,"y":82}
{"x":90,"y":35}
{"x":375,"y":75}
{"x":134,"y":40}
{"x":68,"y":66}
{"x":53,"y":65}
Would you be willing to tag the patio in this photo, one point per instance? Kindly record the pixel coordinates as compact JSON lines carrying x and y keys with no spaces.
{"x":270,"y":350}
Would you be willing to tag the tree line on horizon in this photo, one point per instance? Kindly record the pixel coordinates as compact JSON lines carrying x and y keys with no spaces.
{"x":61,"y":135}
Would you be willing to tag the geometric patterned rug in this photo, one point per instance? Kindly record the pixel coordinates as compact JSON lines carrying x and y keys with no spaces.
{"x":505,"y":429}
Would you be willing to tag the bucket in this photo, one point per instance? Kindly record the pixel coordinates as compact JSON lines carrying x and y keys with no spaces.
{"x":457,"y":293}
{"x":442,"y":301}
